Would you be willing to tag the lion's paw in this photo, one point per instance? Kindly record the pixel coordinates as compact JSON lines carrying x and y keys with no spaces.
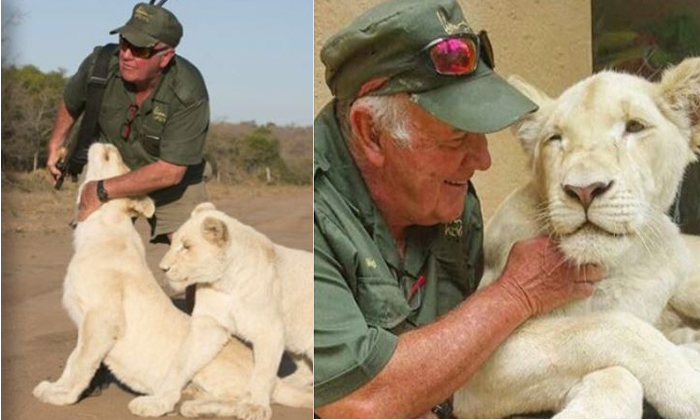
{"x":52,"y":393}
{"x":207,"y":408}
{"x":248,"y":409}
{"x":151,"y":406}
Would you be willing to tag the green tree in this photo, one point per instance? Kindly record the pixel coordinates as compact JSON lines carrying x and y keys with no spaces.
{"x":29,"y":102}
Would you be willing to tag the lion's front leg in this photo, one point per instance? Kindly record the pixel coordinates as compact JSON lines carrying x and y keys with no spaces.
{"x":680,"y":319}
{"x":97,"y":334}
{"x":535,"y":369}
{"x":204,"y":341}
{"x":607,"y":393}
{"x":207,"y":407}
{"x":268,"y":346}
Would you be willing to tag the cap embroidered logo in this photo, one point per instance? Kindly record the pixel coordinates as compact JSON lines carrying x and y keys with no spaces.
{"x":141,"y":14}
{"x":450,"y":27}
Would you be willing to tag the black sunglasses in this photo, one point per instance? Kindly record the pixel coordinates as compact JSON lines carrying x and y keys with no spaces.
{"x":139,"y":52}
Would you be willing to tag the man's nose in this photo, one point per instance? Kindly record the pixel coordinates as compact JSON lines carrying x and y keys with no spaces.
{"x":126,"y":53}
{"x":478,"y":156}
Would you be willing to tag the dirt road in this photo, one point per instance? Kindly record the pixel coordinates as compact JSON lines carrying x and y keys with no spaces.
{"x":37,"y":335}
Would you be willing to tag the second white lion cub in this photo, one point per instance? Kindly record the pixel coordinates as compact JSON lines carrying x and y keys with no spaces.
{"x":247,"y":286}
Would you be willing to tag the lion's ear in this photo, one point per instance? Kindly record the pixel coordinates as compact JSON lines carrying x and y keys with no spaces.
{"x":142,"y":206}
{"x":527,"y":128}
{"x":215,"y":231}
{"x":680,"y":88}
{"x":202,"y":207}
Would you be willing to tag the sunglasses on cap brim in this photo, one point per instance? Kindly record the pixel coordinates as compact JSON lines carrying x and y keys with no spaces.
{"x":139,"y":52}
{"x":458,"y":55}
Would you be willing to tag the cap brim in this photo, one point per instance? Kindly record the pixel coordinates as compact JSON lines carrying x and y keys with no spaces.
{"x":135,"y":36}
{"x":481,"y":103}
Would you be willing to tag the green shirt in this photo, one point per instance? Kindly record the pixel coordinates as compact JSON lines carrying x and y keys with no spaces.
{"x":361,"y":285}
{"x":171,"y":124}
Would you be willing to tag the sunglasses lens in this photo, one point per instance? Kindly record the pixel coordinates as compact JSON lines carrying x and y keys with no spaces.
{"x":139,"y":52}
{"x":454,"y":56}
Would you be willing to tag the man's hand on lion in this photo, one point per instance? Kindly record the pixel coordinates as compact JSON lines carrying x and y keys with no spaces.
{"x":539,"y":276}
{"x":88,"y":200}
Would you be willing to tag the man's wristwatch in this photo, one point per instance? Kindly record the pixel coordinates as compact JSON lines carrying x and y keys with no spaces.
{"x":102,"y":192}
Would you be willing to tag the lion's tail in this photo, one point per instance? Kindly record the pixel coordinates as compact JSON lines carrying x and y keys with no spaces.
{"x":293,"y":396}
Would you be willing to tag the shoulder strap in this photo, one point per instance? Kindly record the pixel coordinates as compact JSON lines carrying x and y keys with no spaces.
{"x":89,"y":130}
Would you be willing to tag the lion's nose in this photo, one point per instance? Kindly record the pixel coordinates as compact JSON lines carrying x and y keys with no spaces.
{"x":586,"y":195}
{"x":164,"y":267}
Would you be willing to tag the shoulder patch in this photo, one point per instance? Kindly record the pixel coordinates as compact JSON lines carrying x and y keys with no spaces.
{"x":188,"y":83}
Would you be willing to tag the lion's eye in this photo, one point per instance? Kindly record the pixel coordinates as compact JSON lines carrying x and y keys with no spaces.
{"x":186,"y":246}
{"x":634,"y":126}
{"x":554,"y":137}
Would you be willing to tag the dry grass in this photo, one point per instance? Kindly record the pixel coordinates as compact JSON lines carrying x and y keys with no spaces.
{"x":31,"y":204}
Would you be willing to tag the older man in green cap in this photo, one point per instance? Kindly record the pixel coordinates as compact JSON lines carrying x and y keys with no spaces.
{"x":397,"y":224}
{"x":155,"y":109}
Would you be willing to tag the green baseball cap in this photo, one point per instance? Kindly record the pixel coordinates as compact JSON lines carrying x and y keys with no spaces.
{"x":383,"y":52}
{"x":149,"y":25}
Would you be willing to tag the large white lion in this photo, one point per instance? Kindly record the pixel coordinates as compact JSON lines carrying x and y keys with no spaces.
{"x":127,"y":322}
{"x":607,"y":157}
{"x":247,"y":286}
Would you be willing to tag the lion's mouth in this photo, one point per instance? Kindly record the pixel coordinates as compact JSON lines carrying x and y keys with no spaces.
{"x":592,"y":228}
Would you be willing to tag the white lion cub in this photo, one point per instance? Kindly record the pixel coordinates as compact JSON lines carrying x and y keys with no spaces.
{"x":606,"y":157}
{"x":125,"y":320}
{"x":248,"y":286}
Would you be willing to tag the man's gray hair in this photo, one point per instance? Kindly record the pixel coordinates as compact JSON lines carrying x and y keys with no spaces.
{"x":389,"y":113}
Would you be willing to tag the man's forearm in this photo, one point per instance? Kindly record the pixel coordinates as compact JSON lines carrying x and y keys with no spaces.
{"x":61,"y":127}
{"x":144,"y":180}
{"x":430,"y":363}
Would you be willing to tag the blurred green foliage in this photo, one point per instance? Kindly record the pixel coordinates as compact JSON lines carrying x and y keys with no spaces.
{"x":243,"y":152}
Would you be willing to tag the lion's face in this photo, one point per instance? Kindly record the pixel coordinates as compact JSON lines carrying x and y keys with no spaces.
{"x":104,"y":161}
{"x":608,"y":155}
{"x":198,"y":250}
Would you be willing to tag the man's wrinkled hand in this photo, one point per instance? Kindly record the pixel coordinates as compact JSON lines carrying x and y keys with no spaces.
{"x":88,"y":200}
{"x":540,"y":277}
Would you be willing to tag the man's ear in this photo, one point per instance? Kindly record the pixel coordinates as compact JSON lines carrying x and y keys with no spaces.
{"x":215,"y":231}
{"x":528,"y":127}
{"x":680,"y":89}
{"x":366,"y":135}
{"x":202,"y":207}
{"x":167,"y":57}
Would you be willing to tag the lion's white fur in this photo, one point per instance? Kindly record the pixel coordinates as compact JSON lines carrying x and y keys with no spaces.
{"x":247,"y":286}
{"x":126,"y":321}
{"x":597,"y":357}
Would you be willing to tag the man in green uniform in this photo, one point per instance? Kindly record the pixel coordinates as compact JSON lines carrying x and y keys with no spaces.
{"x":397,"y":224}
{"x":155,"y":111}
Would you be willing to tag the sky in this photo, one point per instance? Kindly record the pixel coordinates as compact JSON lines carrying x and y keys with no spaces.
{"x":256,"y":56}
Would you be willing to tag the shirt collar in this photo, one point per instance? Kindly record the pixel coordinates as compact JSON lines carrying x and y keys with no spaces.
{"x":332,"y":159}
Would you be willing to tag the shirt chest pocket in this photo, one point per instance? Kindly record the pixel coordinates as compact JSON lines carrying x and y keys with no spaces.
{"x":151,"y":135}
{"x":381,"y":301}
